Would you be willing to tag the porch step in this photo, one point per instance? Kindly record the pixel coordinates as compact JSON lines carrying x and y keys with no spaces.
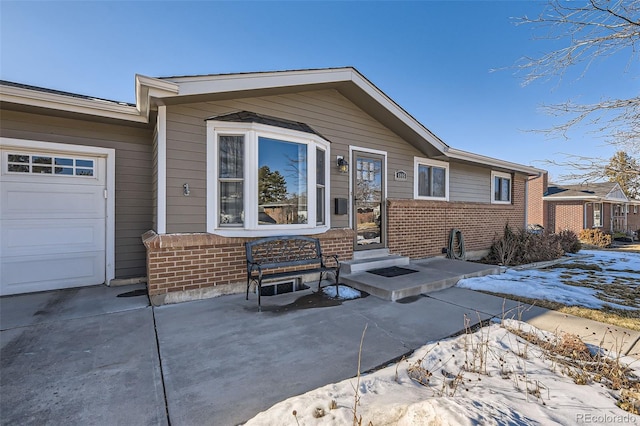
{"x":370,"y":254}
{"x":430,"y":275}
{"x":369,"y":263}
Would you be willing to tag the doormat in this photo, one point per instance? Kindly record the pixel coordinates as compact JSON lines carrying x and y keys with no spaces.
{"x":392,"y":271}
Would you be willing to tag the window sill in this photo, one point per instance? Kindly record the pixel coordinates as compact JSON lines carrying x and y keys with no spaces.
{"x":271,"y":232}
{"x":431,"y":198}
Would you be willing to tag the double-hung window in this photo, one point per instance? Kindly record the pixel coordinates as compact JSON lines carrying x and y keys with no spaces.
{"x":265,"y":180}
{"x":500,"y":188}
{"x":431,"y":179}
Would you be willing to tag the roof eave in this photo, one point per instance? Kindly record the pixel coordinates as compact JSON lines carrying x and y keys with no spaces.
{"x":96,"y":107}
{"x":493,"y":162}
{"x":571,"y":198}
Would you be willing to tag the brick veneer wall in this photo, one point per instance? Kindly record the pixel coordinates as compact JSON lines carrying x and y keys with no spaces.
{"x":418,"y":228}
{"x":537,"y":213}
{"x":567,"y":215}
{"x":195,"y":262}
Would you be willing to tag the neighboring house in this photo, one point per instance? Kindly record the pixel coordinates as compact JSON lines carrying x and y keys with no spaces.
{"x":84,"y":178}
{"x":601,"y":205}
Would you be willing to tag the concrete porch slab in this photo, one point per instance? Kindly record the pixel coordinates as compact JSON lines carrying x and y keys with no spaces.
{"x":432,"y":275}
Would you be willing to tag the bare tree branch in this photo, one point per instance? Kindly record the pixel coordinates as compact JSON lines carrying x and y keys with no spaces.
{"x":593,"y":30}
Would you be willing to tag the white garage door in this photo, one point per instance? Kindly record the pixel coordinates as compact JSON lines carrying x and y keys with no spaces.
{"x":52,"y":221}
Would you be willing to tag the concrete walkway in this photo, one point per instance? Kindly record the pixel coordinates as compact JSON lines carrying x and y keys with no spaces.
{"x":85,"y":356}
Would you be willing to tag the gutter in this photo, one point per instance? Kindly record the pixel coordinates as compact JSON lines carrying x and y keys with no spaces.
{"x":502,"y":164}
{"x":97,"y":107}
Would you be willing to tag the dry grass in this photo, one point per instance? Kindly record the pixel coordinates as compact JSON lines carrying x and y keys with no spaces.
{"x":575,"y":360}
{"x":621,"y":318}
{"x":564,"y":353}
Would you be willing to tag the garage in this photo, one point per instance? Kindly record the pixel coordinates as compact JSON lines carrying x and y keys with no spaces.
{"x":53,"y":220}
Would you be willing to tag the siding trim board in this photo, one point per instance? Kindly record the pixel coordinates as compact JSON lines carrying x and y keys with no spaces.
{"x":161,"y":215}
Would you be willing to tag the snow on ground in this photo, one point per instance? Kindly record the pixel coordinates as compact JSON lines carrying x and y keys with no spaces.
{"x":344,"y":292}
{"x":508,"y":389}
{"x":550,"y":284}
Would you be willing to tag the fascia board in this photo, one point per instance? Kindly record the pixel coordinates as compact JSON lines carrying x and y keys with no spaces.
{"x":493,"y":162}
{"x":56,"y":101}
{"x":200,"y":85}
{"x":571,"y":198}
{"x":148,"y":87}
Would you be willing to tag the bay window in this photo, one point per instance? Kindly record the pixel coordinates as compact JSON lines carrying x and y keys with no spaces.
{"x":265,"y":180}
{"x":230,"y":180}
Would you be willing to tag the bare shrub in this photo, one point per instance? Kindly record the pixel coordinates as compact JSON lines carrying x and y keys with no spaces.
{"x":569,"y":241}
{"x":517,"y":247}
{"x":595,"y":237}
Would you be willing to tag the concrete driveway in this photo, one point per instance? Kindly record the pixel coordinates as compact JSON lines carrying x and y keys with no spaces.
{"x":79,"y":357}
{"x":86,"y":356}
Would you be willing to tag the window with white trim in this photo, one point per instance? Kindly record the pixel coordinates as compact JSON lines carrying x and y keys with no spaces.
{"x":500,"y":188}
{"x":597,"y":215}
{"x":431,"y":179}
{"x":45,"y":164}
{"x":635,"y":209}
{"x":231,"y":180}
{"x":268,"y":179}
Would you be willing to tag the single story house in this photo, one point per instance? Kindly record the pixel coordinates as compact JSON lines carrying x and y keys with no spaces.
{"x":602,"y":205}
{"x":96,"y":191}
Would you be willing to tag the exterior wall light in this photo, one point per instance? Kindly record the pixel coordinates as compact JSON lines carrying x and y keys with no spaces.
{"x":343,"y":165}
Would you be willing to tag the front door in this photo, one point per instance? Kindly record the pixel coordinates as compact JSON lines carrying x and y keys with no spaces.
{"x":368,"y":200}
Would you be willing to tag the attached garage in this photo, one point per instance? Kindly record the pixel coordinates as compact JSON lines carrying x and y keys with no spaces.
{"x":55,"y":227}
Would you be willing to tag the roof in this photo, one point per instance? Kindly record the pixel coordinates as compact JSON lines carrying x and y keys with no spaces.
{"x":34,"y":96}
{"x":593,"y":191}
{"x":59,"y":92}
{"x":252,"y":117}
{"x":154,"y":92}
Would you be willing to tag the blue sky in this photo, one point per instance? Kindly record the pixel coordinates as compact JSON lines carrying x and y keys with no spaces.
{"x":432,"y":58}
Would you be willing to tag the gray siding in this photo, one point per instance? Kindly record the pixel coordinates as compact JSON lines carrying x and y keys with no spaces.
{"x":327,"y":111}
{"x":469,"y":183}
{"x":133,"y":173}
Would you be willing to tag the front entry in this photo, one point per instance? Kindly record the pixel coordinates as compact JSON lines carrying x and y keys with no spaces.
{"x":368,"y":200}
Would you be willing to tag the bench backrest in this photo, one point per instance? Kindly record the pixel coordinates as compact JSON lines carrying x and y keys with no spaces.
{"x":274,"y":252}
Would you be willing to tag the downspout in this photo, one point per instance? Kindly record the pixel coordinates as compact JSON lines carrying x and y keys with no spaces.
{"x":584,"y":214}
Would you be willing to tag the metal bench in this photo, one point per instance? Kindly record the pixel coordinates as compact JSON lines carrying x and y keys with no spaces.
{"x":284,"y":257}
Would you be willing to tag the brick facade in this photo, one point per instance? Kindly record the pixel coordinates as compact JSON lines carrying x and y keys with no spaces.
{"x":194,"y":262}
{"x":420,"y":229}
{"x":537,"y":213}
{"x":569,"y":215}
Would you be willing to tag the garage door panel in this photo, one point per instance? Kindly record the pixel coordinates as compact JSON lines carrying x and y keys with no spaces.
{"x":52,"y":220}
{"x":24,"y":200}
{"x":34,"y":273}
{"x":30,"y":237}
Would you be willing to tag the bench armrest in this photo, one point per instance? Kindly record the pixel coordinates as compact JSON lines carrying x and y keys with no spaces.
{"x":253,"y":266}
{"x":331,"y":258}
